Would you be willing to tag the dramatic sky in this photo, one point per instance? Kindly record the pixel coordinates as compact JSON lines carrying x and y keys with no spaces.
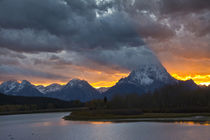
{"x":101,"y":41}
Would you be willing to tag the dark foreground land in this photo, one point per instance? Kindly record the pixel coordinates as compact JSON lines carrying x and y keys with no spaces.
{"x":169,"y":104}
{"x":24,"y":105}
{"x":136,"y":115}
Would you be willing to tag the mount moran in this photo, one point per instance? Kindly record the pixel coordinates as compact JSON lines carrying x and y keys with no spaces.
{"x":146,"y":78}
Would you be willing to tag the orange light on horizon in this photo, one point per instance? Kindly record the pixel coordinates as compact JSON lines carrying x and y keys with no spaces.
{"x":47,"y":83}
{"x":198,"y":79}
{"x":111,"y":79}
{"x":103,"y":84}
{"x":205,"y":84}
{"x":98,"y":84}
{"x":114,"y":78}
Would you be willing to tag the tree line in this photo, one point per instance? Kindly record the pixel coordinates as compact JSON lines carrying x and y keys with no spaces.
{"x":21,"y":103}
{"x":176,"y":99}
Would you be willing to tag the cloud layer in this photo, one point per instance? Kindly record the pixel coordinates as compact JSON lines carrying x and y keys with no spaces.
{"x":95,"y":39}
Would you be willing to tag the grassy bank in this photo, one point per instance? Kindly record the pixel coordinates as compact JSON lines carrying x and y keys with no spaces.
{"x":135,"y":115}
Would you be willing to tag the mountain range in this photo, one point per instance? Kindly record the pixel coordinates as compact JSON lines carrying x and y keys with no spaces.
{"x":144,"y":79}
{"x":74,"y":90}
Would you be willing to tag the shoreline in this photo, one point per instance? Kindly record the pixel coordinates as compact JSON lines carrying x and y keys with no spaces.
{"x":197,"y":118}
{"x":166,"y":120}
{"x":146,"y":117}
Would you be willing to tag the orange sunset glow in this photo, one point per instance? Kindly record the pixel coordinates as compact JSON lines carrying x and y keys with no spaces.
{"x":198,"y":79}
{"x":96,"y":83}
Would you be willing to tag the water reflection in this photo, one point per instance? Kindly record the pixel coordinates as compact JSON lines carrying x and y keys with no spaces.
{"x":62,"y":122}
{"x":53,"y":127}
{"x":191,"y":123}
{"x":99,"y":122}
{"x":50,"y":123}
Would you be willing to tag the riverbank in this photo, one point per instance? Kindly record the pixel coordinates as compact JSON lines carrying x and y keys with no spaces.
{"x":112,"y":116}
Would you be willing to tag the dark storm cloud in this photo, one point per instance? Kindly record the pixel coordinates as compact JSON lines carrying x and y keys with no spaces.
{"x":29,"y":40}
{"x":98,"y":33}
{"x":155,"y":30}
{"x":15,"y":70}
{"x":54,"y":60}
{"x":36,"y":14}
{"x":125,"y":57}
{"x":12,"y":54}
{"x":199,"y":23}
{"x":78,"y":25}
{"x":55,"y":25}
{"x":184,"y":6}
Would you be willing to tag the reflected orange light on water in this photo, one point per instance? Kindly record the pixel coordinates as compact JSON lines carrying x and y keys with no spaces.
{"x":191,"y":123}
{"x":100,"y":123}
{"x":50,"y":123}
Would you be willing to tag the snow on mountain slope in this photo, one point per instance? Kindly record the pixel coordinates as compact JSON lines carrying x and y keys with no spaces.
{"x":51,"y":88}
{"x":77,"y":83}
{"x":24,"y":88}
{"x":102,"y":89}
{"x":8,"y":86}
{"x":145,"y":78}
{"x":146,"y":75}
{"x":41,"y":88}
{"x":76,"y":90}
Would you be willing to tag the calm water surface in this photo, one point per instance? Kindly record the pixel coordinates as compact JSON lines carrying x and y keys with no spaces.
{"x":51,"y":126}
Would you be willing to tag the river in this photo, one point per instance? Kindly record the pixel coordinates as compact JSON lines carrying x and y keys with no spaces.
{"x":51,"y":126}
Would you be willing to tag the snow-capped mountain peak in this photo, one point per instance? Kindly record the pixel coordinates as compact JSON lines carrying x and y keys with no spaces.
{"x":40,"y":88}
{"x":146,"y":75}
{"x":54,"y":87}
{"x":8,"y":86}
{"x":25,"y":82}
{"x":77,"y":83}
{"x":144,"y":79}
{"x":76,"y":90}
{"x":25,"y":88}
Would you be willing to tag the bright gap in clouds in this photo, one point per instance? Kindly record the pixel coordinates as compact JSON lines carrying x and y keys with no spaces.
{"x":198,"y":79}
